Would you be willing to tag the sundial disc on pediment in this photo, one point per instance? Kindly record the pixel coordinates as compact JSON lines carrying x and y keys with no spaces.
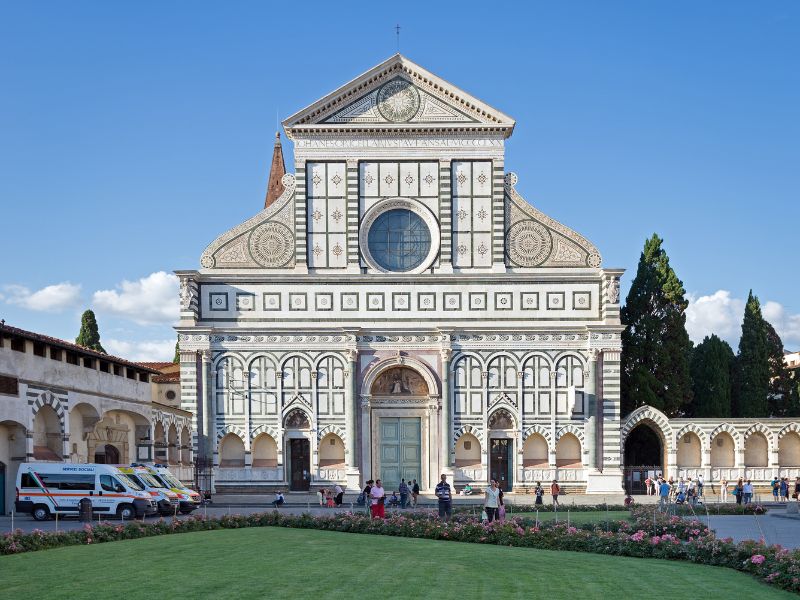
{"x":398,"y":101}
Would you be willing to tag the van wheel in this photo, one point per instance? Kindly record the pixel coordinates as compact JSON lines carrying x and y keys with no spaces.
{"x":126,"y":511}
{"x":40,"y":512}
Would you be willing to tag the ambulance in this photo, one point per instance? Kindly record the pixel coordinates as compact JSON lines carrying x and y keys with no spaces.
{"x":168,"y":502}
{"x":189,"y":499}
{"x":50,"y":488}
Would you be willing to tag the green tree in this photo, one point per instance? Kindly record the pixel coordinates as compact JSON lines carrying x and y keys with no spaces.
{"x":711,"y":368}
{"x":177,"y":358}
{"x":782,"y":393}
{"x":89,"y":336}
{"x":655,"y":345}
{"x":752,"y":363}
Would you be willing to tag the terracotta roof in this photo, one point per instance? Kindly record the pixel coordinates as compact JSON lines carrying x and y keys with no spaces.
{"x":168,"y":378}
{"x":158,"y":366}
{"x":46,"y":339}
{"x":276,"y":172}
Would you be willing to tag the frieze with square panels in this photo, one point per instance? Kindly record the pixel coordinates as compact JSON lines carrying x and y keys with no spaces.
{"x":402,"y":298}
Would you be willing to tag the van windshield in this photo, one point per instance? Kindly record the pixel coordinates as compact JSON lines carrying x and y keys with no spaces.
{"x":150,"y":481}
{"x":171,"y":481}
{"x":129,"y":482}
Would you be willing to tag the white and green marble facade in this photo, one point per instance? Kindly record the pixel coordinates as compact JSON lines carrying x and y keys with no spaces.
{"x":510,"y":325}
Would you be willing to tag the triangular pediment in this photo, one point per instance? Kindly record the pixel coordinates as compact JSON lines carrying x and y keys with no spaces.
{"x":398,"y":93}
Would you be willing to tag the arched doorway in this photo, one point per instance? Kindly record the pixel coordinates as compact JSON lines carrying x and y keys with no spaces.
{"x":399,"y":400}
{"x":501,"y":448}
{"x":106,"y":455}
{"x":298,"y":445}
{"x":644,"y":457}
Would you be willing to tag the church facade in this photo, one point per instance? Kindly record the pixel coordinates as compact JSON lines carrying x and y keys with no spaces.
{"x":398,"y":310}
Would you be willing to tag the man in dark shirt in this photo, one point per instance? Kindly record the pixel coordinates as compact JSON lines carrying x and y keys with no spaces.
{"x":445,"y":496}
{"x":414,"y":493}
{"x":403,"y":489}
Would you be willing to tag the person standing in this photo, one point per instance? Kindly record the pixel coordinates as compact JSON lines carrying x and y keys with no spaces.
{"x":784,"y":489}
{"x":367,"y":497}
{"x":723,"y":491}
{"x":403,"y":489}
{"x":338,"y":494}
{"x":738,"y":491}
{"x":539,"y":491}
{"x":700,"y":485}
{"x":491,"y":501}
{"x":321,"y":495}
{"x":776,"y":488}
{"x":648,"y":486}
{"x":445,"y":497}
{"x":555,"y":490}
{"x":748,"y":492}
{"x":663,"y":494}
{"x":797,"y":489}
{"x":378,"y":500}
{"x":414,"y":493}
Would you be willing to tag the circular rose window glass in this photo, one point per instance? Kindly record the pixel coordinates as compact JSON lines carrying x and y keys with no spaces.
{"x":399,"y":240}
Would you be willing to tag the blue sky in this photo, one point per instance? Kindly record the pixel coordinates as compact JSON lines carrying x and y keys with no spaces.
{"x":132,"y":134}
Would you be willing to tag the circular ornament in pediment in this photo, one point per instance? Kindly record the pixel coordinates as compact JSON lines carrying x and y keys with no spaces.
{"x":594,"y":260}
{"x":398,"y":101}
{"x":529,"y":243}
{"x":206,"y":261}
{"x":271,"y":244}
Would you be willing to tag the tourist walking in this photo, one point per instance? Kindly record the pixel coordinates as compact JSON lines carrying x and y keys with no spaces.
{"x":403,"y":489}
{"x":784,"y":490}
{"x":378,"y":500}
{"x":723,"y":491}
{"x":700,"y":485}
{"x":445,"y":496}
{"x":738,"y":491}
{"x":775,"y":484}
{"x":555,"y":490}
{"x":491,"y":501}
{"x":539,"y":491}
{"x":415,"y":493}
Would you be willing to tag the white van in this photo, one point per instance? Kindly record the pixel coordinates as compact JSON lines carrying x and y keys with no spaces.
{"x":49,"y":488}
{"x":189,"y":499}
{"x":167,"y":501}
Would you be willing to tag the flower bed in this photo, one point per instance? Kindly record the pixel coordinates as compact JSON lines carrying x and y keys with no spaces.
{"x":714,"y":509}
{"x":648,"y":535}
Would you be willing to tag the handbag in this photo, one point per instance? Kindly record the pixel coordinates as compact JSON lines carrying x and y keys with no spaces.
{"x":484,"y":516}
{"x":501,"y":511}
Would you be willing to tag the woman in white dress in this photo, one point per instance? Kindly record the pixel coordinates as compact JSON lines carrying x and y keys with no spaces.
{"x":723,"y":491}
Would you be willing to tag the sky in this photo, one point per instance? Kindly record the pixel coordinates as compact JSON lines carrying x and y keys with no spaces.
{"x":133,"y":134}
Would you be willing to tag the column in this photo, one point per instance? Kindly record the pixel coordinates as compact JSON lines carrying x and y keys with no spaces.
{"x":446,"y":435}
{"x":551,"y":454}
{"x":366,"y":440}
{"x":590,"y":427}
{"x":351,"y":430}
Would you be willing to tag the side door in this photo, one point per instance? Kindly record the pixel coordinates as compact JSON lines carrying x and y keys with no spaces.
{"x":107,"y":496}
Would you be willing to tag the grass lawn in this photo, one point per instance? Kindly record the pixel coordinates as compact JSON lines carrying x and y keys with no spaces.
{"x":269,"y":562}
{"x":595,"y":516}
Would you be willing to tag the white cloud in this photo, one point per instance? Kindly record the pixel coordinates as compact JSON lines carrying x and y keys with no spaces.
{"x":718,"y":313}
{"x":51,"y":298}
{"x":787,"y":326}
{"x":144,"y":351}
{"x":152,"y":299}
{"x":722,"y":314}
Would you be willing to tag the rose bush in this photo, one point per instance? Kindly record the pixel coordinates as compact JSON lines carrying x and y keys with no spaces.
{"x":648,"y":535}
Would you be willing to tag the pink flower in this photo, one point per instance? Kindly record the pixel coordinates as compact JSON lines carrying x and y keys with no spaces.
{"x":757,"y":559}
{"x":520,"y":530}
{"x":572,"y":530}
{"x":638,"y":536}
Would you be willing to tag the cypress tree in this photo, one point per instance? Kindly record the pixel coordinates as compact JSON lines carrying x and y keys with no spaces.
{"x":89,"y":335}
{"x":711,"y":369}
{"x":781,"y":395}
{"x":177,"y":358}
{"x":655,"y":344}
{"x":752,"y":363}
